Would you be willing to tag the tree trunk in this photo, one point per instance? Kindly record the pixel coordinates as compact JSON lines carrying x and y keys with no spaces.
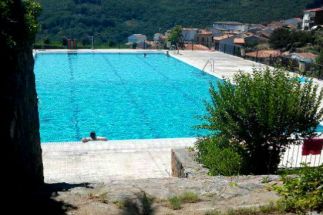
{"x":21,"y":164}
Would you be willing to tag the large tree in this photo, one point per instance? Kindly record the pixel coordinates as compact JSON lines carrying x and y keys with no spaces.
{"x":21,"y":165}
{"x":264,"y":113}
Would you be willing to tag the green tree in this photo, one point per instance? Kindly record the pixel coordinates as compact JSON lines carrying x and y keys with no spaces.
{"x":280,"y":38}
{"x":176,"y":36}
{"x":319,"y":59}
{"x":263,"y":113}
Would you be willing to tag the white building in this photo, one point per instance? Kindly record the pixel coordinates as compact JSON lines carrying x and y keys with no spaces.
{"x":312,"y":17}
{"x":137,"y":38}
{"x":229,"y":26}
{"x":158,"y":37}
{"x":189,"y":34}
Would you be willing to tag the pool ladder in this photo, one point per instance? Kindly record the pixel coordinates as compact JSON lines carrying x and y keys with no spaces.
{"x":210,"y":61}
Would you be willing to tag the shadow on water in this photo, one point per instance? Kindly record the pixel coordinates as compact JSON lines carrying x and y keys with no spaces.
{"x":42,"y":200}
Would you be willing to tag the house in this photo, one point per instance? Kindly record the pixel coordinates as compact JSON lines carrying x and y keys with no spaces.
{"x":198,"y":47}
{"x":252,"y":40}
{"x":239,"y":41}
{"x":228,"y":43}
{"x":137,"y":38}
{"x":204,"y":37}
{"x":255,"y":28}
{"x":266,"y":32}
{"x":159,"y":37}
{"x":306,"y":57}
{"x":189,"y":34}
{"x":236,"y":27}
{"x":312,"y":17}
{"x":293,"y":23}
{"x":264,"y":56}
{"x":301,"y":61}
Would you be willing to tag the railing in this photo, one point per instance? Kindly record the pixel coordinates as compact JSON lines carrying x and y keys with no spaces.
{"x":293,"y":158}
{"x":212,"y":64}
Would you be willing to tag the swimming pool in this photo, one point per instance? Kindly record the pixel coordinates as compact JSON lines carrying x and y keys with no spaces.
{"x":120,"y":96}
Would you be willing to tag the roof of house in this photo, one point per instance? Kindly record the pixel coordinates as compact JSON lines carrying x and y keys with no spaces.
{"x":204,"y":32}
{"x":196,"y":47}
{"x":225,"y":36}
{"x":138,"y":35}
{"x":264,"y":53}
{"x":314,"y":9}
{"x":239,"y":40}
{"x":229,"y":23}
{"x":190,"y":29}
{"x":306,"y":55}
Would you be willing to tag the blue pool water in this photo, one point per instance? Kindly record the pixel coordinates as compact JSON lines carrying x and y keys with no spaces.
{"x":120,"y":96}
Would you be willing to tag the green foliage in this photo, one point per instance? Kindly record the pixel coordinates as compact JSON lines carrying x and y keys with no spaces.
{"x":283,"y":38}
{"x":218,"y":157}
{"x":319,"y":59}
{"x":18,"y":23}
{"x":175,"y":203}
{"x":260,"y":112}
{"x":189,"y":197}
{"x":304,"y":191}
{"x":115,"y":20}
{"x":142,"y":205}
{"x":262,"y":210}
{"x":175,"y":36}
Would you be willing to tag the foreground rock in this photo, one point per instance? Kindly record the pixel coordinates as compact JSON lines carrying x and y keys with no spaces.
{"x":220,"y":193}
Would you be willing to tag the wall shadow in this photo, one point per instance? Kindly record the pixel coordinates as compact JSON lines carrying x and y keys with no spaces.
{"x":40,"y":201}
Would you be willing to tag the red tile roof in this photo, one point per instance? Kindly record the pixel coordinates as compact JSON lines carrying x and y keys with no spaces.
{"x":315,"y":9}
{"x":196,"y":47}
{"x":307,"y":55}
{"x":239,"y":41}
{"x":264,"y":53}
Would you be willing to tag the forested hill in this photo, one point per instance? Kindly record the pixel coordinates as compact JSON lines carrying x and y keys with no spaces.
{"x":114,"y":20}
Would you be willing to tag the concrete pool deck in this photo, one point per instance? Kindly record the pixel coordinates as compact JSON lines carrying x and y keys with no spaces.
{"x":76,"y":162}
{"x":131,"y":159}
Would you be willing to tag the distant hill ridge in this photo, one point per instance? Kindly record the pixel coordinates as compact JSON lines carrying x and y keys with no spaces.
{"x":114,"y":20}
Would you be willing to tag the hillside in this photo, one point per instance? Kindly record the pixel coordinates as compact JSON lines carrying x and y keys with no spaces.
{"x":114,"y":20}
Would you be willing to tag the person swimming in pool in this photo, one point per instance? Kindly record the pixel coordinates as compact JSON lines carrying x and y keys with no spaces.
{"x":93,"y":137}
{"x":145,"y":55}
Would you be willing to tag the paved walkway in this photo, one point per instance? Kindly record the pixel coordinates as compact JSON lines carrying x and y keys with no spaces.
{"x":111,"y":160}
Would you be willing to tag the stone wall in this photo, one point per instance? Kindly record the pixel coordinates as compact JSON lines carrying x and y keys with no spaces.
{"x":184,"y":166}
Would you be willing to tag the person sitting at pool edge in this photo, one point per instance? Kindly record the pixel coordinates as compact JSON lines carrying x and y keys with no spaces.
{"x":93,"y":137}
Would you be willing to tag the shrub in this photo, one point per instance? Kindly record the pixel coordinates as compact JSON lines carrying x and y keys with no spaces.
{"x":304,"y":191}
{"x":258,"y":114}
{"x":175,"y":203}
{"x":218,"y":157}
{"x":189,"y":197}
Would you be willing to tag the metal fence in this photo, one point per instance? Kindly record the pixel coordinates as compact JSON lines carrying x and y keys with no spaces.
{"x":293,"y":158}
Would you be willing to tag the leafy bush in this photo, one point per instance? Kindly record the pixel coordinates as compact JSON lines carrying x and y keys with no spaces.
{"x":304,"y":191}
{"x":220,"y":159}
{"x":258,"y":115}
{"x":175,"y":203}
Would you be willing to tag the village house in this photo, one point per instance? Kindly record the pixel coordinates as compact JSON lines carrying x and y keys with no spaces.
{"x":189,"y":34}
{"x":312,"y":17}
{"x":302,"y":60}
{"x":233,"y":27}
{"x":137,"y":38}
{"x":229,"y":43}
{"x":159,"y":37}
{"x":253,"y":40}
{"x":264,"y":56}
{"x":204,"y":37}
{"x":293,"y":23}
